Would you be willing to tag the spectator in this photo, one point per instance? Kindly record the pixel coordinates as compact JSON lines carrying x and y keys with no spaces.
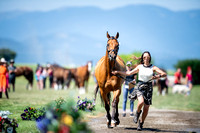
{"x":162,"y":85}
{"x":3,"y":71}
{"x":11,"y":69}
{"x":50,"y":73}
{"x":188,"y":79}
{"x":7,"y":79}
{"x":177,"y":76}
{"x":39,"y":78}
{"x":126,"y":89}
{"x":44,"y":75}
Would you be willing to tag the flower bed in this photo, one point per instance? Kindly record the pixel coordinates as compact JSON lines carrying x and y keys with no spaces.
{"x":85,"y":104}
{"x":6,"y":124}
{"x":31,"y":113}
{"x":62,"y":117}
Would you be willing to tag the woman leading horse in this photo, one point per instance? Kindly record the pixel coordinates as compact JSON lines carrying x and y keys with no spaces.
{"x":108,"y":82}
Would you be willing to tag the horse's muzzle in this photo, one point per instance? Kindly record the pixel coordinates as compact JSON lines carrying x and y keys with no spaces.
{"x":112,"y":57}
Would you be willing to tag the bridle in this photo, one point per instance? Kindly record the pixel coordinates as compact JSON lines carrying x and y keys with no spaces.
{"x":113,"y":50}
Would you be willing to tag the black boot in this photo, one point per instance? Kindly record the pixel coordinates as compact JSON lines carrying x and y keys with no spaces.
{"x":7,"y":94}
{"x":0,"y":94}
{"x":140,"y":126}
{"x":136,"y":116}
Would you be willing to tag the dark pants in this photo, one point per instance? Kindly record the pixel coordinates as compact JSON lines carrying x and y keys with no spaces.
{"x":51,"y":81}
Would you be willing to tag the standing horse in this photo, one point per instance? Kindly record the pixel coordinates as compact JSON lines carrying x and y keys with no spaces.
{"x":81,"y":76}
{"x":27,"y":72}
{"x":108,"y":82}
{"x":61,"y":76}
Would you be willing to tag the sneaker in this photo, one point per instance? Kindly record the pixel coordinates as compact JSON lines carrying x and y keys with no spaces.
{"x":131,"y":115}
{"x":140,"y":126}
{"x":123,"y":114}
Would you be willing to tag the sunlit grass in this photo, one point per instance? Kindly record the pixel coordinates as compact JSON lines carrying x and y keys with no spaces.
{"x":22,"y":98}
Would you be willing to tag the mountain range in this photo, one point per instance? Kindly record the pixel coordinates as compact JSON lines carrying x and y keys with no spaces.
{"x":76,"y":35}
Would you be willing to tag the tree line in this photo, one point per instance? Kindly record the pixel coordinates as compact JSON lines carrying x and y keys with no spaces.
{"x":7,"y":54}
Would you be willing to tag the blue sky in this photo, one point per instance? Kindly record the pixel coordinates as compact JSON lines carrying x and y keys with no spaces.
{"x":46,"y":5}
{"x":143,"y":32}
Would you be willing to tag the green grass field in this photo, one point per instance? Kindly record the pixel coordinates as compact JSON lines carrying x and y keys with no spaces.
{"x":22,"y":98}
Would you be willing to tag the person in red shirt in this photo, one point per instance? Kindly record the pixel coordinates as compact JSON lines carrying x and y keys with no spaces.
{"x":3,"y":71}
{"x":178,"y":76}
{"x":188,"y":79}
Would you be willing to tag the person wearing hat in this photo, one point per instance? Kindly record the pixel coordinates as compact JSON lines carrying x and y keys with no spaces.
{"x":127,"y":89}
{"x":11,"y":69}
{"x":3,"y":71}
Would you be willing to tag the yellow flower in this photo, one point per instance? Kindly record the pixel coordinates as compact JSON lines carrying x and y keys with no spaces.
{"x":68,"y":120}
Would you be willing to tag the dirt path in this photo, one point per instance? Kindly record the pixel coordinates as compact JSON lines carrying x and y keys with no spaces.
{"x":156,"y":121}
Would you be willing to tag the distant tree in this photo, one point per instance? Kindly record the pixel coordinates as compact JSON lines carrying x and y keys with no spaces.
{"x":7,"y":54}
{"x":194,"y":64}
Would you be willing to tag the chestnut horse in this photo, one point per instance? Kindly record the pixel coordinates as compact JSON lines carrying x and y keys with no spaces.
{"x":81,"y":76}
{"x":27,"y":72}
{"x":108,"y":82}
{"x":61,"y":76}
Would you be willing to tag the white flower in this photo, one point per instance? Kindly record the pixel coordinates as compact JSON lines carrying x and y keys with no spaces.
{"x":4,"y":114}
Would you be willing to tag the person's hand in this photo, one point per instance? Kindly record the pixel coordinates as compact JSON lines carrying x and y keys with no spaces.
{"x":156,"y":77}
{"x":133,"y":81}
{"x":114,"y":72}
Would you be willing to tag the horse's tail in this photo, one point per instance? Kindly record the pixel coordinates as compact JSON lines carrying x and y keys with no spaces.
{"x":102,"y":101}
{"x":95,"y":92}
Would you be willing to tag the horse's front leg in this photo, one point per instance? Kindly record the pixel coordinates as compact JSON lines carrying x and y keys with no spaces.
{"x":115,"y":114}
{"x":107,"y":106}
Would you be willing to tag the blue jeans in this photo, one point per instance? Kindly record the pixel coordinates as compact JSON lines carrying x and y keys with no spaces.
{"x":125,"y":95}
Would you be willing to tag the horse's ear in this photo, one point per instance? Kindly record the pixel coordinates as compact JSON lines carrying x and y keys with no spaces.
{"x":108,"y":36}
{"x":117,"y":35}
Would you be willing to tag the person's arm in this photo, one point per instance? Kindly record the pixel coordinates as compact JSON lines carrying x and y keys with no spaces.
{"x":10,"y":71}
{"x":161,"y":73}
{"x":127,"y":73}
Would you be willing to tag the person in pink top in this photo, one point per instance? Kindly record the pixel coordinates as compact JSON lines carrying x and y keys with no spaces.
{"x":7,"y":78}
{"x":188,"y":79}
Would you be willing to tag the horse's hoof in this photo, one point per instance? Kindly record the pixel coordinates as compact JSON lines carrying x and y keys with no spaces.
{"x":117,"y":123}
{"x":113,"y":125}
{"x":109,"y":125}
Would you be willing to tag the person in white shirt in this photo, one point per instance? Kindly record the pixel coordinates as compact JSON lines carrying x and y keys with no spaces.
{"x":144,"y":89}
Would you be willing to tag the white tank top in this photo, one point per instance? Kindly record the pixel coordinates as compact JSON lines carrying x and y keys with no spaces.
{"x":145,"y":73}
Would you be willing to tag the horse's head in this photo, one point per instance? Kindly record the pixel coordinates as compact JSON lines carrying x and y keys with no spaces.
{"x":89,"y":63}
{"x":112,"y":46}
